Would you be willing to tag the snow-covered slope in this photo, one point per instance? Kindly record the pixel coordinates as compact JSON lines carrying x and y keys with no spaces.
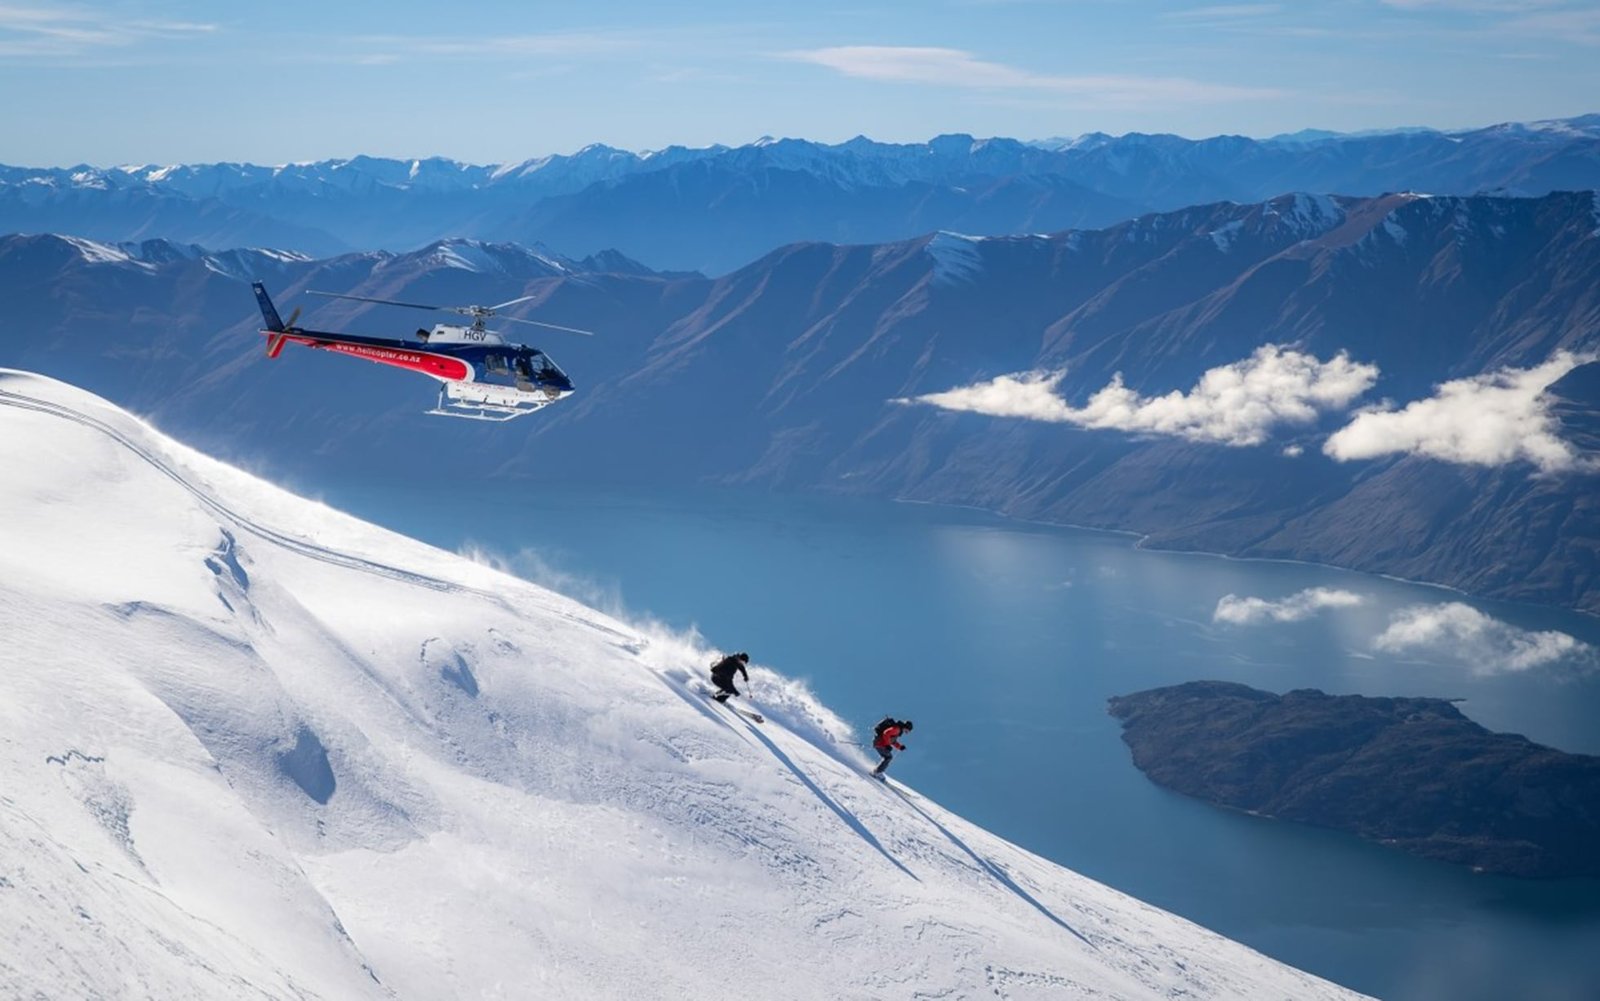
{"x":253,"y":747}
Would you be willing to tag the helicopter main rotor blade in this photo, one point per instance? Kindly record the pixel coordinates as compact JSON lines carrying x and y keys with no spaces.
{"x":552,"y":326}
{"x":513,"y":302}
{"x":386,"y":302}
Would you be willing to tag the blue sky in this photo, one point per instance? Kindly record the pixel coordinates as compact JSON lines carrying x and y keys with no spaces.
{"x":182,"y":80}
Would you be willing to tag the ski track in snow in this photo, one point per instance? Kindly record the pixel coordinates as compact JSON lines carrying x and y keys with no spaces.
{"x":232,"y":773}
{"x":273,"y":536}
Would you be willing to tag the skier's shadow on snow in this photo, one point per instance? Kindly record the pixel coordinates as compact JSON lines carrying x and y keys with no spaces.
{"x":992,"y":869}
{"x":700,"y":704}
{"x":845,"y":815}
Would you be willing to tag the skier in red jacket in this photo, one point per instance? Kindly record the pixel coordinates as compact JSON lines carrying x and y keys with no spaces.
{"x":888,"y":736}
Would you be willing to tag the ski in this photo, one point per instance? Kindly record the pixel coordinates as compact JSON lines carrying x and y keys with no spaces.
{"x":747,"y":714}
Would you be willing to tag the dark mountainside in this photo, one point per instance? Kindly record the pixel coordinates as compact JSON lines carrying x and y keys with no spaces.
{"x":718,"y":208}
{"x":783,"y":374}
{"x":1412,"y":773}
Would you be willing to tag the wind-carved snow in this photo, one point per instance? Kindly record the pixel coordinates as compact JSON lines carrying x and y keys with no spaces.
{"x":1223,"y":235}
{"x":1307,"y":215}
{"x":484,"y":258}
{"x":102,"y":253}
{"x":956,"y":258}
{"x":466,"y":257}
{"x":256,"y":748}
{"x":245,"y":265}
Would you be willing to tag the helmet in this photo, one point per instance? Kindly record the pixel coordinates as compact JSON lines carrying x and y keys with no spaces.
{"x":905,"y":724}
{"x":741,"y":655}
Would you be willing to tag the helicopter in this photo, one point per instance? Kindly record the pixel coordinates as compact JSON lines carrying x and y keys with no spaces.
{"x":482,"y":376}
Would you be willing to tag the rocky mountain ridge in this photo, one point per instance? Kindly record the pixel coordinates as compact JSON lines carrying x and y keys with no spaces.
{"x":795,"y":372}
{"x":717,"y":208}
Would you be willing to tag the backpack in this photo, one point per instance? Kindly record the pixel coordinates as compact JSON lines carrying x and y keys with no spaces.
{"x":883,"y":725}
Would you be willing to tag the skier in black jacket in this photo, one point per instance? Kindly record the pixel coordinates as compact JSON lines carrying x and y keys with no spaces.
{"x":722,"y":674}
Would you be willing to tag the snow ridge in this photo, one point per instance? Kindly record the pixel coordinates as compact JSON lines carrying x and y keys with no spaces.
{"x":288,"y":753}
{"x":956,"y":257}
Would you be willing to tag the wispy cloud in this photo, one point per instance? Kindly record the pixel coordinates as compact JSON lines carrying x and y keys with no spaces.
{"x":1575,"y":24}
{"x":1573,"y":21}
{"x":1474,"y":6}
{"x":1220,"y":12}
{"x":69,"y":31}
{"x":1486,"y":644}
{"x":1237,"y":404}
{"x":1493,"y":419}
{"x":560,"y":43}
{"x":1249,"y":611}
{"x":959,"y":68}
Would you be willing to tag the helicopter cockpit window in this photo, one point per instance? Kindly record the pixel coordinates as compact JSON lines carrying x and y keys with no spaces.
{"x":534,"y":366}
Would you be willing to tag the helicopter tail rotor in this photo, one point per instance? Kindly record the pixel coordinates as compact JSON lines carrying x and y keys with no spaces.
{"x":278,"y":338}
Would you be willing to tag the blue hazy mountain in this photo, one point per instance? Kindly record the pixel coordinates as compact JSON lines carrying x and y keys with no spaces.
{"x":785,"y":373}
{"x":717,"y":208}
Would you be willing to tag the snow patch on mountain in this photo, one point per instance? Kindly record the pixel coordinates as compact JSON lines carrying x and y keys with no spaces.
{"x":1224,"y":235}
{"x":491,"y":258}
{"x":257,"y":748}
{"x":465,"y":256}
{"x":103,"y":253}
{"x":1306,"y":215}
{"x":956,"y":257}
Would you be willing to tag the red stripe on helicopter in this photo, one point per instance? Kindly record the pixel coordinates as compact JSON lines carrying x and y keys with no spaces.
{"x":438,"y":366}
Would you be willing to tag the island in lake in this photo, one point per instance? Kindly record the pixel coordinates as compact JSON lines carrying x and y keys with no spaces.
{"x":1412,"y":773}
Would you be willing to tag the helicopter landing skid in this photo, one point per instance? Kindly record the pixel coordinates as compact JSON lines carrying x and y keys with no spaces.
{"x":485,"y":403}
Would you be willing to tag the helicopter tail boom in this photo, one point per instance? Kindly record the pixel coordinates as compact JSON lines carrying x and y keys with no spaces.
{"x":269,"y":312}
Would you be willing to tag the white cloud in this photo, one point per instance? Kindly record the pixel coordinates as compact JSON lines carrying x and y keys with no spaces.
{"x":959,"y":68}
{"x":555,"y":43}
{"x":1235,"y":10}
{"x":49,"y":31}
{"x":1487,"y":7}
{"x":1492,"y":419}
{"x":1485,"y":643}
{"x":1300,"y":605}
{"x":1236,"y":404}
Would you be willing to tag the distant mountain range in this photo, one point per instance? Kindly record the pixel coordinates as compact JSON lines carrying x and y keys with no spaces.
{"x":717,"y":208}
{"x":1259,"y":380}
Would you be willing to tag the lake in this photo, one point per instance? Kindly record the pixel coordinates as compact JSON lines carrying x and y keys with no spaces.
{"x":1003,"y":640}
